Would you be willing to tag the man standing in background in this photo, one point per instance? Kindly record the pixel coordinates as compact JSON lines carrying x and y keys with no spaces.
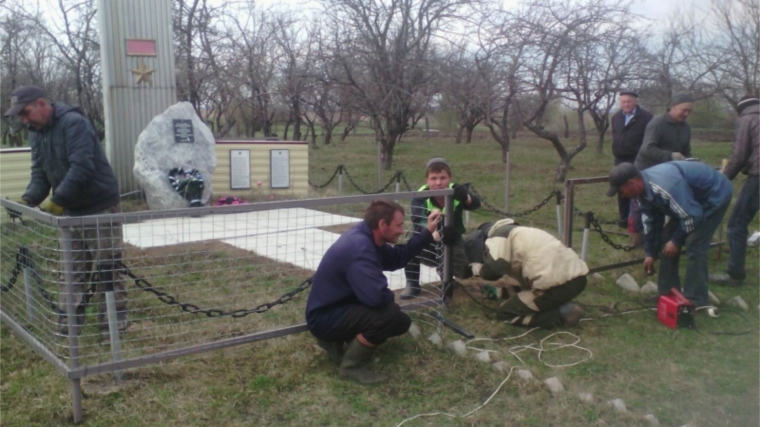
{"x":628,"y":127}
{"x":744,"y":158}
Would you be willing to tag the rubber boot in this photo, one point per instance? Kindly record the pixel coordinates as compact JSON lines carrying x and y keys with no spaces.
{"x":354,"y":365}
{"x":571,"y":314}
{"x":412,"y":289}
{"x":334,"y":350}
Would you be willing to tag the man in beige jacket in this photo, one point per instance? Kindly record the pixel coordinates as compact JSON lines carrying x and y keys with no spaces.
{"x":550,"y":274}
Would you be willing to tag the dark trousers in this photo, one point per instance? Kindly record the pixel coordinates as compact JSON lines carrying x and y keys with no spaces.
{"x":744,"y":211}
{"x":624,"y":205}
{"x":696,"y":249}
{"x":376,"y":324}
{"x":541,"y":309}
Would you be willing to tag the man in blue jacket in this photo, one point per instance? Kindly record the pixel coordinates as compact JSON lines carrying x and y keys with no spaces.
{"x":68,"y":159}
{"x":691,"y":193}
{"x":350,"y":299}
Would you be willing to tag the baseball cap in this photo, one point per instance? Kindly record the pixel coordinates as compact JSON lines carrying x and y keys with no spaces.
{"x":619,"y":175}
{"x":633,"y":93}
{"x":435,"y":160}
{"x":23,"y":96}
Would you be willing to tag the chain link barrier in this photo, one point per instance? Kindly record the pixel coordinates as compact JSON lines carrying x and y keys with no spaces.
{"x":329,"y":181}
{"x":187,"y":307}
{"x":24,"y":260}
{"x":494,"y":209}
{"x":393,"y":179}
{"x":598,"y":228}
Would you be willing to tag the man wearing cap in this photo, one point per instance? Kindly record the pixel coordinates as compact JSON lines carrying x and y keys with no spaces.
{"x":628,"y":127}
{"x":438,"y":177}
{"x":549,"y":273}
{"x":744,"y":158}
{"x":695,"y":197}
{"x":68,"y":159}
{"x":667,"y":137}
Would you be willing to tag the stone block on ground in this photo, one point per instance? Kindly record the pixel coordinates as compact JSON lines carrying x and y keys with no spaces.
{"x":627,"y":282}
{"x":652,"y":420}
{"x":586,"y":397}
{"x":458,"y":347}
{"x":524,"y":374}
{"x":649,"y":288}
{"x":618,"y":405}
{"x":737,"y":301}
{"x":483,"y":356}
{"x":158,"y":151}
{"x":501,"y":366}
{"x":414,"y":331}
{"x":597,"y":277}
{"x":713,"y":299}
{"x":436,"y":340}
{"x":555,"y":385}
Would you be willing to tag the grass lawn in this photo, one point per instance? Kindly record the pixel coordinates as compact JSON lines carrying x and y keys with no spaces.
{"x":708,"y":377}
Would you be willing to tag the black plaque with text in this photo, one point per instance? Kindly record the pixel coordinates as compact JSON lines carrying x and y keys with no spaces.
{"x":183,"y":131}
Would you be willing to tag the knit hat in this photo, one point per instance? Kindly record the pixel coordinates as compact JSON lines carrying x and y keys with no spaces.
{"x":746,"y":101}
{"x":619,"y":175}
{"x":681,"y":98}
{"x":435,"y":160}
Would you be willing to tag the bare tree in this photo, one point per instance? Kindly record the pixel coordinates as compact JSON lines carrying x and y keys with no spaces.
{"x":384,"y":50}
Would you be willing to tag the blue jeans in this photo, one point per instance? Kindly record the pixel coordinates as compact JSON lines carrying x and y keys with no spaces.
{"x":696,"y":248}
{"x":744,"y":211}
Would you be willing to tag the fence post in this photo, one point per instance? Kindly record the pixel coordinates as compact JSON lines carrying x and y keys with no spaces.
{"x":340,"y":180}
{"x":113,"y":330}
{"x":398,"y":181}
{"x":584,"y":247}
{"x":68,"y":273}
{"x":448,"y":280}
{"x":569,"y":201}
{"x":559,"y":214}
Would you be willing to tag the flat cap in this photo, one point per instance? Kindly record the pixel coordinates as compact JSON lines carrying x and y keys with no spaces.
{"x":619,"y":175}
{"x":681,"y":98}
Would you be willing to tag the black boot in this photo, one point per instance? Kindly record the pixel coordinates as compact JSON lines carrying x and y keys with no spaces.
{"x":571,"y":314}
{"x":334,"y":350}
{"x":354,"y":365}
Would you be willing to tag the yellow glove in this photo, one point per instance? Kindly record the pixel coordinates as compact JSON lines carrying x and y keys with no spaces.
{"x":51,"y":208}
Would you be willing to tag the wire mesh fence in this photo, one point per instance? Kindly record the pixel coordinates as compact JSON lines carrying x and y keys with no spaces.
{"x":183,"y":281}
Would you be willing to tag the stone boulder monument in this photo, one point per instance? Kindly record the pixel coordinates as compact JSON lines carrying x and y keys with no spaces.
{"x":178,"y":138}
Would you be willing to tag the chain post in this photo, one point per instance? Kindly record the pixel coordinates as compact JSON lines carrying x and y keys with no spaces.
{"x":584,"y":248}
{"x":559,"y":213}
{"x":68,"y":269}
{"x":340,"y":180}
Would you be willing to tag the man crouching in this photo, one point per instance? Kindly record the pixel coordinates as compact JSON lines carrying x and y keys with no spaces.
{"x":350,"y":299}
{"x":550,"y":274}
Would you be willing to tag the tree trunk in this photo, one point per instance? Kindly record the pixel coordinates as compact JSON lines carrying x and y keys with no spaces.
{"x":427,"y":126}
{"x":328,"y":136}
{"x":287,"y":126}
{"x":600,"y":142}
{"x":387,"y":157}
{"x":567,"y":126}
{"x":469,"y":134}
{"x":459,"y":135}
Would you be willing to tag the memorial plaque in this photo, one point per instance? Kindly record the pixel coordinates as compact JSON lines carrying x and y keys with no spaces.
{"x":279,"y":168}
{"x":183,"y":131}
{"x":240,"y":169}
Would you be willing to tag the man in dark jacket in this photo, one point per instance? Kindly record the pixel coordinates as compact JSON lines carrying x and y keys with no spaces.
{"x":667,"y":137}
{"x":68,"y":159}
{"x":744,"y":158}
{"x":438,"y":177}
{"x":695,"y":197}
{"x":350,"y":299}
{"x":628,"y":127}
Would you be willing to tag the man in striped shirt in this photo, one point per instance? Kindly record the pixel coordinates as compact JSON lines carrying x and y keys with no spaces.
{"x":692,"y":193}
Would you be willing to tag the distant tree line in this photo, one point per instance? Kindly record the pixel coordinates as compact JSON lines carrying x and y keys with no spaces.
{"x":390,"y":63}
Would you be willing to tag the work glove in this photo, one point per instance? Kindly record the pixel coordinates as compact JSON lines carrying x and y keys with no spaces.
{"x":677,"y":156}
{"x":460,"y":192}
{"x":449,"y":235}
{"x":51,"y":208}
{"x":476,"y":266}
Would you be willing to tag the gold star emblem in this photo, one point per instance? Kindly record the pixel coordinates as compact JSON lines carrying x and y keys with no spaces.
{"x":143,"y":74}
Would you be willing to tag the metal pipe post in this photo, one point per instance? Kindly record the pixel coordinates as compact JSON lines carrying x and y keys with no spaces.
{"x":28,"y":289}
{"x":447,"y":252}
{"x":506,"y":184}
{"x":68,"y":269}
{"x":340,"y":181}
{"x":559,"y":214}
{"x":584,"y":247}
{"x":113,"y":330}
{"x":567,"y":237}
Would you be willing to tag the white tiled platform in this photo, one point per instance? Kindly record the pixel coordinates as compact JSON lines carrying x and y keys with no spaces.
{"x":285,"y":235}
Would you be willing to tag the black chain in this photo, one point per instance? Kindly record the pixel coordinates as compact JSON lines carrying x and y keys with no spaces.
{"x":382,"y":190}
{"x":494,"y":209}
{"x":24,"y":259}
{"x":194,"y":309}
{"x":329,"y":181}
{"x":598,"y":228}
{"x":406,"y":183}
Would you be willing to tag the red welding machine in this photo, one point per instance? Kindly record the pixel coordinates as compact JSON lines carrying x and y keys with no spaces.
{"x":675,"y":311}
